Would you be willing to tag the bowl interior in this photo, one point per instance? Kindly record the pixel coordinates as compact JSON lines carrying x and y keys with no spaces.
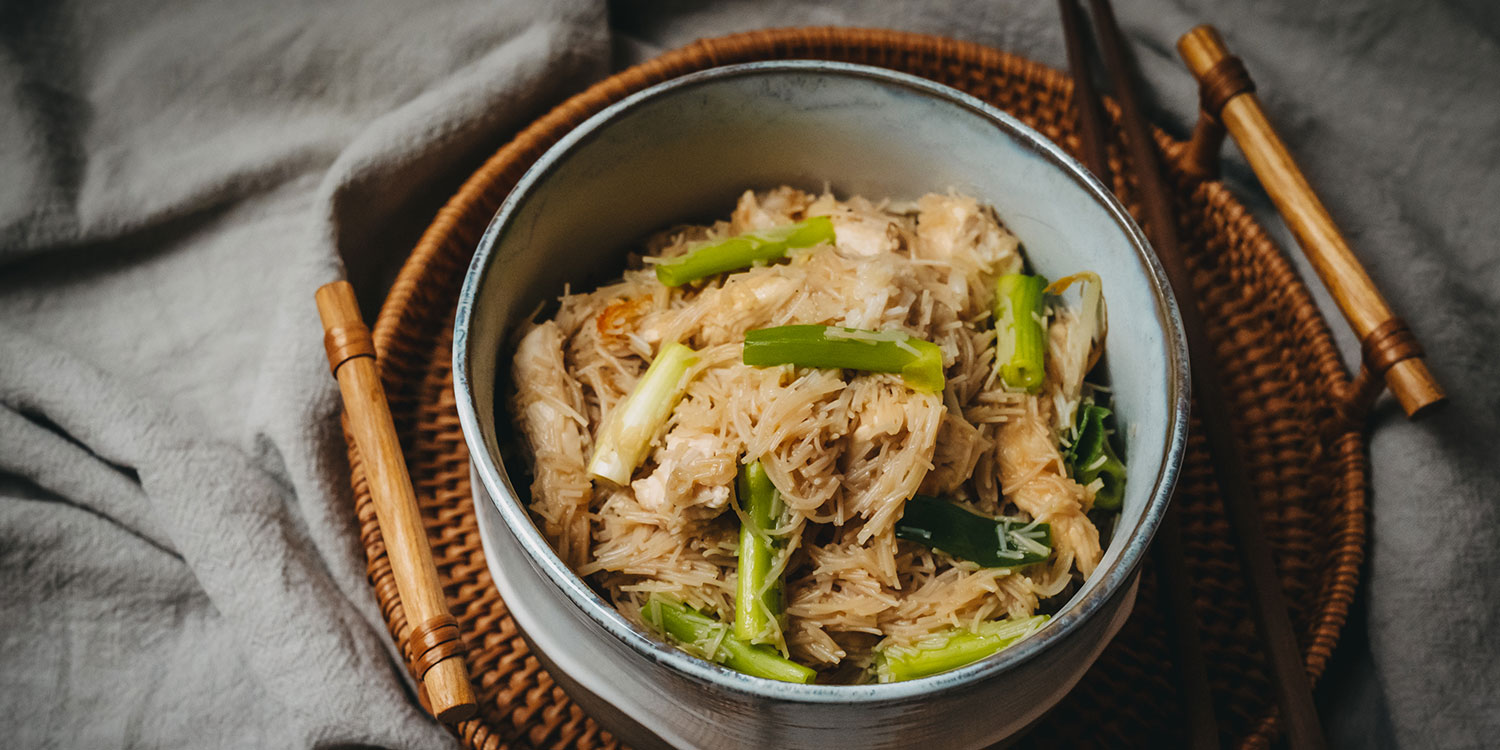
{"x":684,"y":150}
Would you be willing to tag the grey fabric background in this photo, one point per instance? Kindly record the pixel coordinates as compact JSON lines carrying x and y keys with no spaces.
{"x":178,"y":563}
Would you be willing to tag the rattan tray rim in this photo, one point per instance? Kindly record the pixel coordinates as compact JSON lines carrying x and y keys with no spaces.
{"x":413,"y":293}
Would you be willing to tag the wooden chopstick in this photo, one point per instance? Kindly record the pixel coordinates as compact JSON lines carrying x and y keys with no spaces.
{"x":1182,"y":622}
{"x":1267,"y":600}
{"x":435,"y":646}
{"x":1390,"y":349}
{"x":1091,"y":128}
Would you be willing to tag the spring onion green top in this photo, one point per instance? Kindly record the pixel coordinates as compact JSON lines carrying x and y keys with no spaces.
{"x":710,"y":639}
{"x":1091,"y":456}
{"x":919,"y":362}
{"x":745,"y":250}
{"x":989,"y":542}
{"x":955,"y":648}
{"x":758,"y":601}
{"x":1020,"y":331}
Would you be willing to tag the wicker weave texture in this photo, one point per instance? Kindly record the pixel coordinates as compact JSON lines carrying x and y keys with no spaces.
{"x":1282,"y":373}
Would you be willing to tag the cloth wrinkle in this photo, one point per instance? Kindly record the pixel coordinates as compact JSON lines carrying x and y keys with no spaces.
{"x":180,"y":564}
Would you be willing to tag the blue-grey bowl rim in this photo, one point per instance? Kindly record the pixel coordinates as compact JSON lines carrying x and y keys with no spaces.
{"x":589,"y":602}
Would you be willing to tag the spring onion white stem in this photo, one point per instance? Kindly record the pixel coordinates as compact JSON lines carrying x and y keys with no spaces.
{"x":626,"y":435}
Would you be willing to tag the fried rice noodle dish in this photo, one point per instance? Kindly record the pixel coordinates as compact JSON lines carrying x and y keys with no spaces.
{"x":826,"y":440}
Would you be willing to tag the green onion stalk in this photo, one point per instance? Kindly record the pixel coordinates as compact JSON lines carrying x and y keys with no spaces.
{"x":988,"y":542}
{"x":1091,"y":457}
{"x":919,"y":362}
{"x":707,"y":638}
{"x":758,"y":602}
{"x":626,"y":435}
{"x":1020,"y":336}
{"x":745,"y":250}
{"x":956,"y":648}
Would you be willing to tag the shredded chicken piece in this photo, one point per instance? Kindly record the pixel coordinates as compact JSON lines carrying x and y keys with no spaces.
{"x":863,"y":230}
{"x":549,"y":406}
{"x":783,"y":205}
{"x":1034,"y":478}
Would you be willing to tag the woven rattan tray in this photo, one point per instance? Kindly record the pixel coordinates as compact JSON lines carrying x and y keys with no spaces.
{"x":1283,"y":375}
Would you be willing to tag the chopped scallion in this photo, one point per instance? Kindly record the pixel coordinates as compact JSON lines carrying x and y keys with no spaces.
{"x":627,"y":432}
{"x":745,"y":250}
{"x":707,"y":638}
{"x":758,"y":596}
{"x":919,"y":362}
{"x":1091,"y":457}
{"x":989,"y":542}
{"x":1020,"y":333}
{"x":959,"y":648}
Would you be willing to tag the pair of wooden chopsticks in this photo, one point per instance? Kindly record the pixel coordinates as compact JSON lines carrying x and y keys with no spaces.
{"x":1390,"y":350}
{"x":1182,"y":622}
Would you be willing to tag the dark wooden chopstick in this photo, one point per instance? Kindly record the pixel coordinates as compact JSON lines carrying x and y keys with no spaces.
{"x":1182,"y":628}
{"x":1267,"y":600}
{"x":1091,"y":128}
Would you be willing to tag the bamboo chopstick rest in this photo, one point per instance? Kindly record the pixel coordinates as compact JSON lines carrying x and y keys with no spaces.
{"x":1390,"y":349}
{"x":435,"y":648}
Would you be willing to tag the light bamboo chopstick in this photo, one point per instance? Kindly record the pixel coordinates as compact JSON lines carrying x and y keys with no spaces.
{"x":1390,"y":349}
{"x":436,"y":649}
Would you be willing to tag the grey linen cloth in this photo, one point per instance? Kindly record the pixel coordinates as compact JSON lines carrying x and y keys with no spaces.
{"x":178,"y":559}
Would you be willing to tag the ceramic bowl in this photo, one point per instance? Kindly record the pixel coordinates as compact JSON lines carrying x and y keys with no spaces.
{"x":683,"y":151}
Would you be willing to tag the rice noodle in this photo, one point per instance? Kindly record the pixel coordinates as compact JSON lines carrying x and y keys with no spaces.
{"x":846,"y":450}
